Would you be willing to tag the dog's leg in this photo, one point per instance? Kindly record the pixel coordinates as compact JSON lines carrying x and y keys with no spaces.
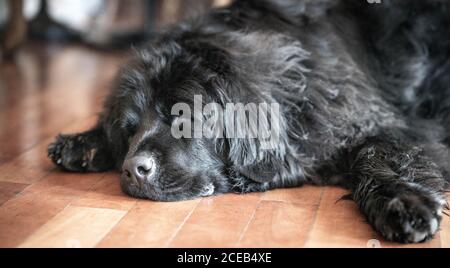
{"x":83,"y":152}
{"x":398,"y":188}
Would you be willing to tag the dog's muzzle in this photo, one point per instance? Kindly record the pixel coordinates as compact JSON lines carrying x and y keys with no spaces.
{"x":139,"y":170}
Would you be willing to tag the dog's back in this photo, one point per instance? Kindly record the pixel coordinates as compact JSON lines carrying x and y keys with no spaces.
{"x":402,"y":49}
{"x":403,"y":45}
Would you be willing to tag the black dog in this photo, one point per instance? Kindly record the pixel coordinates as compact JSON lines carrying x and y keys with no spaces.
{"x":364,"y":97}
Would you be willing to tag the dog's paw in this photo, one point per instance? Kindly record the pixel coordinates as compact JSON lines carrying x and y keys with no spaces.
{"x":411,"y":219}
{"x":55,"y":150}
{"x":69,"y":152}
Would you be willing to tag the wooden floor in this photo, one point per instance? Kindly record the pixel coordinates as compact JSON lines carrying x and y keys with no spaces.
{"x":49,"y":89}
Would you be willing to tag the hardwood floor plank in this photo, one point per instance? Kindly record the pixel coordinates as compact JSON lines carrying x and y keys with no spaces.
{"x":8,"y":190}
{"x":149,"y":224}
{"x":62,"y":182}
{"x":32,"y":165}
{"x":309,"y":195}
{"x":106,"y":194}
{"x":279,"y":225}
{"x":25,"y":214}
{"x":217,"y":221}
{"x":37,"y":204}
{"x":75,"y":227}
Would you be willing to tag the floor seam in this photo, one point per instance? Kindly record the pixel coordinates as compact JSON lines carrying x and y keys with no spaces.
{"x":177,"y":231}
{"x":244,"y":231}
{"x":112,"y":228}
{"x":313,"y":222}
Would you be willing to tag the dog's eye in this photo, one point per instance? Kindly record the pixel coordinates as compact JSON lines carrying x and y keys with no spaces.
{"x":130,"y":129}
{"x":129,"y":122}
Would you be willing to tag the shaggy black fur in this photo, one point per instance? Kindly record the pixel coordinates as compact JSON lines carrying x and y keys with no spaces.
{"x":364,"y":95}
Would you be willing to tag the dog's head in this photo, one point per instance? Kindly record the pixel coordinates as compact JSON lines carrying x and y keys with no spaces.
{"x":193,"y":117}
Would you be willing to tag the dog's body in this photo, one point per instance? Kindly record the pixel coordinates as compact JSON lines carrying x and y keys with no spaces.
{"x":364,"y":96}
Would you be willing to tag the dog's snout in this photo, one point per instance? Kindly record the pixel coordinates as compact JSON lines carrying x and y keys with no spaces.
{"x":139,"y":169}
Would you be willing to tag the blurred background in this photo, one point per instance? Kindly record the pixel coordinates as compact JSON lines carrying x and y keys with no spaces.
{"x":58,"y":59}
{"x":100,"y":23}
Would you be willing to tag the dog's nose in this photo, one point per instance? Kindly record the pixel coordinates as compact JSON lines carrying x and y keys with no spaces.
{"x":139,"y":169}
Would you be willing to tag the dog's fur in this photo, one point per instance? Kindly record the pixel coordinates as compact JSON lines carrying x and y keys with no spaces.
{"x":364,"y":95}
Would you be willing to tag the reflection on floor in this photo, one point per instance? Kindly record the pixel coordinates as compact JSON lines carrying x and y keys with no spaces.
{"x":48,"y":89}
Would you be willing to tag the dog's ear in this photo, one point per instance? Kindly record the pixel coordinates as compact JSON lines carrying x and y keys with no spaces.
{"x":266,"y":77}
{"x":257,"y":152}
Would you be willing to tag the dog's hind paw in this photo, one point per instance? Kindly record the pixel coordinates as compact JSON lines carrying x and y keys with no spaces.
{"x":411,"y":220}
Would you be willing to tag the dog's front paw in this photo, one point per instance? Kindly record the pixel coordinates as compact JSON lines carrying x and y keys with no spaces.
{"x":69,"y":152}
{"x":411,"y":219}
{"x":55,"y":150}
